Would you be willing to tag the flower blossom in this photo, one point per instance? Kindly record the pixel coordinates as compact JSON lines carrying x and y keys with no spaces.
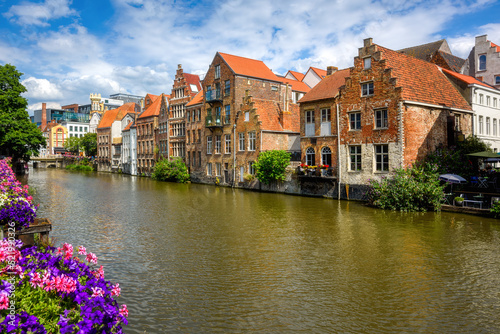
{"x":116,"y":290}
{"x":92,"y":258}
{"x":124,"y":310}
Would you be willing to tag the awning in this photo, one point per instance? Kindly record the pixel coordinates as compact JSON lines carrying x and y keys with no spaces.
{"x":484,"y":154}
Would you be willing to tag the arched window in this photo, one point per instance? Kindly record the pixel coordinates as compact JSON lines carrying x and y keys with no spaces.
{"x":326,"y":156}
{"x":482,"y":62}
{"x":310,"y":156}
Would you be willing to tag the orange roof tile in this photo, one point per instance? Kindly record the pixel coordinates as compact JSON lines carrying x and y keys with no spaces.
{"x":268,"y":114}
{"x":249,"y":67}
{"x":327,"y":88}
{"x":116,"y":114}
{"x":465,"y":78}
{"x":152,"y":97}
{"x":128,"y":126}
{"x":153,"y":109}
{"x":495,"y":46}
{"x":320,"y":72}
{"x":297,"y":86}
{"x":193,"y":79}
{"x":422,"y":81}
{"x":197,"y":99}
{"x":297,"y":75}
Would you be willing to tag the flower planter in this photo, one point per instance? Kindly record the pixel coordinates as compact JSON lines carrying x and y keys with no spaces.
{"x":27,"y":235}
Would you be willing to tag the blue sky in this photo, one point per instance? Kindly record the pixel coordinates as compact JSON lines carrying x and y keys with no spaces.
{"x":69,"y":49}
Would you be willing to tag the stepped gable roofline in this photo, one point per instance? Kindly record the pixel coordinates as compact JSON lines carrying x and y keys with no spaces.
{"x":248,"y":67}
{"x":154,"y":108}
{"x":425,"y":51}
{"x":297,"y":75}
{"x":193,"y":79}
{"x":197,"y":99}
{"x":328,"y":87}
{"x":466,"y":78}
{"x":422,"y":81}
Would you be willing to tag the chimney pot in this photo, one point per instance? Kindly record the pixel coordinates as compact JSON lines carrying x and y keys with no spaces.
{"x":331,"y":69}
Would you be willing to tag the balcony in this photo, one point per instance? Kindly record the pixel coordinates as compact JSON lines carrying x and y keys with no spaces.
{"x":212,"y":122}
{"x":213,"y":96}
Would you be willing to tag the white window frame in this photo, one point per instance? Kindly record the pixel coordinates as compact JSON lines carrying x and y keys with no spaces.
{"x":252,"y":140}
{"x":227,"y":143}
{"x":381,"y":153}
{"x":209,"y":144}
{"x":241,"y":141}
{"x":353,"y":120}
{"x":310,"y":128}
{"x":367,"y":89}
{"x":381,"y":119}
{"x":355,"y":158}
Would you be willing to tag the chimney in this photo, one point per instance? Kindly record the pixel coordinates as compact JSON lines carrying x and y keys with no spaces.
{"x":331,"y":69}
{"x":44,"y":114}
{"x":368,"y":42}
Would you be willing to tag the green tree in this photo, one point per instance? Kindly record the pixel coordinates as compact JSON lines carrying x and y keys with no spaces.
{"x":19,"y":138}
{"x":175,"y":171}
{"x":271,"y":166}
{"x":72,"y":144}
{"x":89,"y":144}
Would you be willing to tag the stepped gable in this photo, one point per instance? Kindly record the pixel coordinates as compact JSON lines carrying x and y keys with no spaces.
{"x":153,"y":109}
{"x":327,"y":88}
{"x":421,"y":81}
{"x":249,"y":67}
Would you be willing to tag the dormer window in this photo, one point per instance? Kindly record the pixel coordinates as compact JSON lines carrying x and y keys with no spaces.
{"x":482,"y":63}
{"x":367,"y":63}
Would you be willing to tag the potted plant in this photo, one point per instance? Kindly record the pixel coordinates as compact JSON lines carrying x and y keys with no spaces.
{"x":459,"y":201}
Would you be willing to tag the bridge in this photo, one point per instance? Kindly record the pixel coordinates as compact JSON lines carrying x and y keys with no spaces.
{"x":49,"y":161}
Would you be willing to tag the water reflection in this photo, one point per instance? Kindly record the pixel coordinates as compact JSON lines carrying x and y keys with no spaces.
{"x":198,"y":259}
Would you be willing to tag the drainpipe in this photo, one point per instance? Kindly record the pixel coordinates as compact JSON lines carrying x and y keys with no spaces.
{"x":338,"y":152}
{"x":234,"y":154}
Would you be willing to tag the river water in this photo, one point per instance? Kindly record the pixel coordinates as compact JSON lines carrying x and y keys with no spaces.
{"x":203,"y":259}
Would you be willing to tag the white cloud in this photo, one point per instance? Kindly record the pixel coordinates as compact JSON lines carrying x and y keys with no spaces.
{"x":30,"y":13}
{"x":41,"y":89}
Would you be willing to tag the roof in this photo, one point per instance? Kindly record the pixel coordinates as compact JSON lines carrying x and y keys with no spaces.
{"x":116,"y":114}
{"x":297,"y":75}
{"x":249,"y":67}
{"x":152,"y":97}
{"x":493,"y":45}
{"x":425,"y":51}
{"x":128,"y":126}
{"x":193,"y":79}
{"x":298,"y":86}
{"x":328,"y":87}
{"x":466,"y":78}
{"x":197,"y":99}
{"x":268,"y":114}
{"x":153,"y":109}
{"x":455,"y":63}
{"x":321,"y":73}
{"x":422,"y":81}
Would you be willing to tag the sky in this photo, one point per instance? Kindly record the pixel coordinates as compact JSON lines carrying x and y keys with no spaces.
{"x":69,"y":49}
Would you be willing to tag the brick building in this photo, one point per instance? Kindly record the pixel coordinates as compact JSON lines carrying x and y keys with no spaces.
{"x":147,"y":130}
{"x":438,"y":53}
{"x":109,"y":135}
{"x":246,"y":109}
{"x":194,"y":129}
{"x":318,"y":126}
{"x":172,"y":131}
{"x":394,"y":110}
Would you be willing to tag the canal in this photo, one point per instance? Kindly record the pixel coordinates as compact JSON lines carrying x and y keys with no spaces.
{"x":204,"y":259}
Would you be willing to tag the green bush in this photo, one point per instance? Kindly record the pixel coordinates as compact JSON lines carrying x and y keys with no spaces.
{"x":415,"y":188}
{"x":495,"y":209}
{"x":271,"y":166}
{"x":80,"y":168}
{"x":175,"y":171}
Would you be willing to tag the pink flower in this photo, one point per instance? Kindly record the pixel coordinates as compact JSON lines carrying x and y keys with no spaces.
{"x":124,"y":310}
{"x":68,"y":251}
{"x":116,"y":290}
{"x":92,"y":258}
{"x":82,"y":250}
{"x":36,"y":280}
{"x":4,"y":300}
{"x":101,"y":272}
{"x":97,"y":292}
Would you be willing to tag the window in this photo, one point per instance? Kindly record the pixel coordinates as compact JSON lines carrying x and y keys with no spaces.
{"x":494,"y":126}
{"x":355,"y":157}
{"x":481,"y":99}
{"x":494,"y":102}
{"x":193,"y":161}
{"x":199,"y":158}
{"x":367,"y":63}
{"x":381,"y":119}
{"x":367,"y":89}
{"x":482,"y":63}
{"x":217,"y":72}
{"x":199,"y":136}
{"x":251,"y":169}
{"x":247,"y":116}
{"x":497,"y":79}
{"x":326,"y":125}
{"x":209,"y":144}
{"x":70,"y":128}
{"x":217,"y":144}
{"x":209,"y":93}
{"x":188,"y":114}
{"x":188,"y":139}
{"x":487,"y":125}
{"x":355,"y":120}
{"x":209,"y":169}
{"x":217,"y":115}
{"x":217,"y":90}
{"x":488,"y":101}
{"x":382,"y":158}
{"x":217,"y":168}
{"x":310,"y":156}
{"x":227,"y":116}
{"x":480,"y":125}
{"x":227,"y":87}
{"x":310,"y":128}
{"x":198,"y":115}
{"x":326,"y":156}
{"x":227,"y":144}
{"x":251,"y":141}
{"x":81,"y":129}
{"x":241,"y":145}
{"x":457,"y":123}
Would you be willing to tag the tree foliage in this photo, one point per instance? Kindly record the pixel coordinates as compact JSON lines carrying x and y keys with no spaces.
{"x":89,"y":144}
{"x":455,"y":160}
{"x":175,"y":171}
{"x":271,"y":166}
{"x":415,"y":188}
{"x":72,"y":144}
{"x":19,"y":138}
